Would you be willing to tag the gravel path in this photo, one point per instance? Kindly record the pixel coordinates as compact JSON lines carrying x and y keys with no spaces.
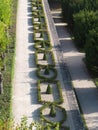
{"x":24,"y":100}
{"x":85,"y":88}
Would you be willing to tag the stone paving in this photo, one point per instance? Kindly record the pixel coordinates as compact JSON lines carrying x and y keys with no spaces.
{"x":24,"y":99}
{"x":73,"y":114}
{"x":86,"y":90}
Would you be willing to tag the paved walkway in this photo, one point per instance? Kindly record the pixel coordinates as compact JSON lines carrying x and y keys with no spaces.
{"x":71,"y":107}
{"x":24,"y":100}
{"x":85,"y":88}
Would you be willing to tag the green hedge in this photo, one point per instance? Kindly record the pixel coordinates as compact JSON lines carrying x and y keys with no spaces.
{"x":59,"y":100}
{"x":36,"y":59}
{"x":53,"y":77}
{"x":45,"y":46}
{"x":49,"y":89}
{"x":49,"y":121}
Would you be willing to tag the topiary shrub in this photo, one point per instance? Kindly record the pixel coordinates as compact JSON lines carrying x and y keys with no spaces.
{"x":41,"y":76}
{"x":49,"y":120}
{"x":44,"y":57}
{"x":52,"y":111}
{"x":39,"y":91}
{"x":47,"y":127}
{"x":46,"y":72}
{"x":57,"y":126}
{"x":49,"y":89}
{"x":42,"y":45}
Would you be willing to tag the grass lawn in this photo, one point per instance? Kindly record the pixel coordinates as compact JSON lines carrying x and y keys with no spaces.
{"x":5,"y":98}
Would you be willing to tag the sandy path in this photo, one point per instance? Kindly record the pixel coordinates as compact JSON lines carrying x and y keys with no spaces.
{"x":24,"y":99}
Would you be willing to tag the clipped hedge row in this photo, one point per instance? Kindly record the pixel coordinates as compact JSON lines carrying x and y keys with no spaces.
{"x":57,"y":82}
{"x":43,"y":45}
{"x":45,"y":58}
{"x":48,"y":105}
{"x":39,"y":75}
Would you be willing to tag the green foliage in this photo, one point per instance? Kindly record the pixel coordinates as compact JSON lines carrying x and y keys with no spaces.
{"x":36,"y":58}
{"x":48,"y":120}
{"x":44,"y":57}
{"x":83,"y":22}
{"x":47,"y":71}
{"x":42,"y":46}
{"x":51,"y":77}
{"x":5,"y":98}
{"x":71,"y":7}
{"x":82,"y":16}
{"x":5,"y":22}
{"x":39,"y":91}
{"x":23,"y":125}
{"x":6,"y":11}
{"x":52,"y":111}
{"x":49,"y":89}
{"x":48,"y":127}
{"x":60,"y":100}
{"x":7,"y":32}
{"x":92,"y":50}
{"x":57,"y":127}
{"x":43,"y":71}
{"x":3,"y":37}
{"x":57,"y":83}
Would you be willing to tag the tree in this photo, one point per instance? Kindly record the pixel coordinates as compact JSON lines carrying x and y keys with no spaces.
{"x":5,"y":22}
{"x":83,"y":22}
{"x":70,"y":7}
{"x":91,"y":50}
{"x":6,"y":11}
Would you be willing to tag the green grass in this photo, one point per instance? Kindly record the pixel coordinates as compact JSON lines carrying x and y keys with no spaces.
{"x":96,"y":81}
{"x":5,"y":98}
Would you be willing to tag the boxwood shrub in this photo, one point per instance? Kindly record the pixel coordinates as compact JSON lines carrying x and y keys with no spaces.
{"x":48,"y":105}
{"x":57,"y":82}
{"x":39,"y":75}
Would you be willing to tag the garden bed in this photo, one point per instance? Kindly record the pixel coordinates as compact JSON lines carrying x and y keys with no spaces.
{"x":56,"y":92}
{"x":45,"y":58}
{"x":49,"y":88}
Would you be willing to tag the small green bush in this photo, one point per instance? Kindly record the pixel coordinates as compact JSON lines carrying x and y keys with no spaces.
{"x":49,"y":79}
{"x":39,"y":91}
{"x":45,"y":45}
{"x":36,"y":58}
{"x":42,"y":45}
{"x":46,"y":72}
{"x":47,"y":127}
{"x":49,"y":89}
{"x":57,"y":126}
{"x":52,"y":111}
{"x":44,"y":57}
